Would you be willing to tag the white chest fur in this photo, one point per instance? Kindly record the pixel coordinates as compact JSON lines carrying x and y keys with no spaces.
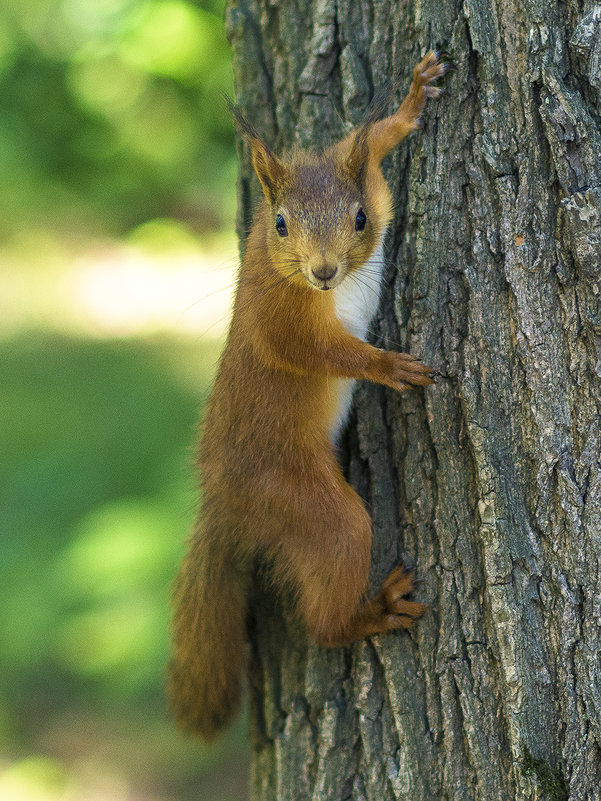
{"x":356,"y":301}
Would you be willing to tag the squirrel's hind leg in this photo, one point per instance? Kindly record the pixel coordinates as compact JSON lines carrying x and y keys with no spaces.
{"x":328,"y":561}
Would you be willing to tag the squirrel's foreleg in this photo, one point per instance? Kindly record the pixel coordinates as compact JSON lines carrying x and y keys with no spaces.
{"x":386,"y":134}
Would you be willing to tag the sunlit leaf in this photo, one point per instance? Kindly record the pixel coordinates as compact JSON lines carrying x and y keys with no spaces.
{"x":121,"y":547}
{"x":106,"y":85}
{"x":36,"y":778}
{"x":172,"y":38}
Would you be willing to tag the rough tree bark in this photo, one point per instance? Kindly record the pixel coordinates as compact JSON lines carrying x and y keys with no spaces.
{"x":490,"y":481}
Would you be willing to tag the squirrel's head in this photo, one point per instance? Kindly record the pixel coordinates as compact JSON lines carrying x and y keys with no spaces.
{"x":322,"y":225}
{"x":326,"y":213}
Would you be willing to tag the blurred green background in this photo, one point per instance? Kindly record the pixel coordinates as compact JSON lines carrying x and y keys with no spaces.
{"x":117,"y":194}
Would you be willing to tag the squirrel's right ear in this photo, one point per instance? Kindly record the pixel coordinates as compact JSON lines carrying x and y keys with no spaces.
{"x":270,"y":171}
{"x":356,"y":159}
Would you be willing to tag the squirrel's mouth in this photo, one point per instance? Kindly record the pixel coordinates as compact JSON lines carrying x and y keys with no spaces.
{"x":323,"y":286}
{"x":325,"y":282}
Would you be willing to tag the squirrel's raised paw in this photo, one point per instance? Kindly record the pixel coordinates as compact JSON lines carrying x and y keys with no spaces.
{"x":431,"y":67}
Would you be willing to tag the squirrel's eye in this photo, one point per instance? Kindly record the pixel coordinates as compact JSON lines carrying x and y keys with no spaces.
{"x":360,"y":220}
{"x":280,"y":226}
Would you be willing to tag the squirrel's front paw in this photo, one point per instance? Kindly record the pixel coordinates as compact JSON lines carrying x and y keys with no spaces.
{"x":404,"y":371}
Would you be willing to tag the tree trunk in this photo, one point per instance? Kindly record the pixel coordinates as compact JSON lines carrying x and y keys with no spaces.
{"x":489,"y":481}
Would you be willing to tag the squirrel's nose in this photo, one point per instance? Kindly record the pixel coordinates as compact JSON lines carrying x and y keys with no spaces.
{"x":324,"y":272}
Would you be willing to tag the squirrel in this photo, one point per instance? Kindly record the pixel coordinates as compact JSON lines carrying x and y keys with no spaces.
{"x":308,"y":288}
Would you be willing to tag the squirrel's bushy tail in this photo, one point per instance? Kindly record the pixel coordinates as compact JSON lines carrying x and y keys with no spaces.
{"x":209,"y":637}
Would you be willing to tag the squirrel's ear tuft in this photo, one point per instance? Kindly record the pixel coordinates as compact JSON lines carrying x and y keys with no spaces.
{"x":270,"y":171}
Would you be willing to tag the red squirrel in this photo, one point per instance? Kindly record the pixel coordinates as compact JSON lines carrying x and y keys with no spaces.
{"x":308,"y":288}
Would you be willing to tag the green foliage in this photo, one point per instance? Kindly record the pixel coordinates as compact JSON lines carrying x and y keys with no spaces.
{"x":110,"y":114}
{"x":97,"y":497}
{"x":112,"y":127}
{"x":96,"y":506}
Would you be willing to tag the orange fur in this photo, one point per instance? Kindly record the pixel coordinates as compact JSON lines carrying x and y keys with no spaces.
{"x":271,"y":482}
